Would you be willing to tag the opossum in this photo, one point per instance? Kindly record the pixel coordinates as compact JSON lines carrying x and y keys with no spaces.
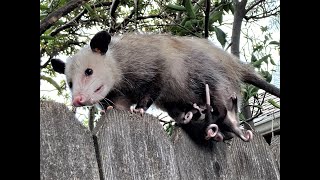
{"x":167,"y":71}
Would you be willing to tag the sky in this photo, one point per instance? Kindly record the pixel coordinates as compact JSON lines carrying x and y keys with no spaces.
{"x":49,"y":91}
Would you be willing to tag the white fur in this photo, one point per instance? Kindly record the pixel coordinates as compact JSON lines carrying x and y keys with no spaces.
{"x":86,"y":86}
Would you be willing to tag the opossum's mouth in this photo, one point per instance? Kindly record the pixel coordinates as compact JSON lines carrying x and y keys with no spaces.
{"x":98,"y":89}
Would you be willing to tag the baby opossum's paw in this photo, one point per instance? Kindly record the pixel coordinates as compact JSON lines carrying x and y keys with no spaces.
{"x":102,"y":112}
{"x":211,"y":131}
{"x":109,"y":108}
{"x":139,"y":110}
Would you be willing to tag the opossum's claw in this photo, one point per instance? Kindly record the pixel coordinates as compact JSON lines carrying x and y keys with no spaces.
{"x":210,"y":132}
{"x":139,"y":110}
{"x":103,"y":111}
{"x":109,"y":108}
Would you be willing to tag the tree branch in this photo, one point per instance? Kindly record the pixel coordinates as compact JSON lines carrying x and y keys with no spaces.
{"x":113,"y":8}
{"x":206,"y":20}
{"x":57,"y":50}
{"x":76,"y":19}
{"x":239,"y":14}
{"x":260,"y":17}
{"x":53,"y":17}
{"x":253,"y":5}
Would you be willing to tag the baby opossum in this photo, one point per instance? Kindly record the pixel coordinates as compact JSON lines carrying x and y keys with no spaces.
{"x":168,"y":71}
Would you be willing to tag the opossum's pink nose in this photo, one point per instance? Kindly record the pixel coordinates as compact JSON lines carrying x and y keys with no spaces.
{"x":78,"y":101}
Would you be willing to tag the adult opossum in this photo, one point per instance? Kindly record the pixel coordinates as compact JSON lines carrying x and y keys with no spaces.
{"x":168,"y":71}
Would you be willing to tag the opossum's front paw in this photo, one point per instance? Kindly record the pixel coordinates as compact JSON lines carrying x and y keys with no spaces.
{"x":139,"y":110}
{"x":211,"y":131}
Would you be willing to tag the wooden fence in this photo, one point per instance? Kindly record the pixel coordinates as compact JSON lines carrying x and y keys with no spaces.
{"x":125,"y":146}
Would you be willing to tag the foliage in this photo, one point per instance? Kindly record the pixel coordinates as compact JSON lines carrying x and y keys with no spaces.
{"x":178,"y":17}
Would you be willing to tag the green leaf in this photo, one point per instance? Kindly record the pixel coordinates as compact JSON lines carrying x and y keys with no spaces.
{"x":275,"y":43}
{"x":253,"y":58}
{"x":43,"y":7}
{"x":189,"y":8}
{"x":51,"y":81}
{"x":264,"y":28}
{"x":226,"y":8}
{"x":272,"y":62}
{"x":188,"y":25}
{"x":257,"y":48}
{"x":221,"y":36}
{"x":265,"y":58}
{"x":215,"y":16}
{"x":220,"y":18}
{"x":269,"y":77}
{"x":176,"y":7}
{"x":271,"y":101}
{"x":257,"y":63}
{"x":44,"y":37}
{"x":89,"y":9}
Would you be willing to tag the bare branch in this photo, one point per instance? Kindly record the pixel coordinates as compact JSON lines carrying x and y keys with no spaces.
{"x":253,"y":5}
{"x":53,"y":17}
{"x":125,"y":21}
{"x":45,"y":64}
{"x":150,"y":16}
{"x":260,"y":17}
{"x":76,"y":19}
{"x":252,"y":118}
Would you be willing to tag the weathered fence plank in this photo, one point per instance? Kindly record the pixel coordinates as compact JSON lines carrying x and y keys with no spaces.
{"x":66,"y":150}
{"x":216,"y":160}
{"x":275,"y":147}
{"x":135,"y":148}
{"x":131,"y":147}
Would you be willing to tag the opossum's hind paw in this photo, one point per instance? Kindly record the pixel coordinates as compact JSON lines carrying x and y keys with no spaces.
{"x":211,"y":131}
{"x":139,"y":110}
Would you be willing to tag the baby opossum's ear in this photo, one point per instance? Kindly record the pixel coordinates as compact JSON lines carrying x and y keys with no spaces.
{"x":58,"y":65}
{"x":99,"y":43}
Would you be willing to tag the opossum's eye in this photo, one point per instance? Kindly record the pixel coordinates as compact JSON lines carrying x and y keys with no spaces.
{"x":88,"y":72}
{"x":70,"y":85}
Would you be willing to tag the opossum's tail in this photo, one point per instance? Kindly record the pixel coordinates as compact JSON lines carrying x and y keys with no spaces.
{"x":251,"y":77}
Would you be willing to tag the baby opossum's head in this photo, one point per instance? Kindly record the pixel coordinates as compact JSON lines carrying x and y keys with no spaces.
{"x":91,"y":72}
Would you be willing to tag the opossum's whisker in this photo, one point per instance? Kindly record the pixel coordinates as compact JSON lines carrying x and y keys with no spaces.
{"x":108,"y":100}
{"x":118,"y":91}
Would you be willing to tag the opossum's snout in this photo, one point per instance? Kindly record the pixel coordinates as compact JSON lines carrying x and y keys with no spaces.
{"x":78,"y":101}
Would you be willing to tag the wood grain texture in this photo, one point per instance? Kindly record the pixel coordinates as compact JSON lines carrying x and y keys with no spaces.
{"x":216,"y":160}
{"x":133,"y":147}
{"x":275,"y":147}
{"x":66,"y":147}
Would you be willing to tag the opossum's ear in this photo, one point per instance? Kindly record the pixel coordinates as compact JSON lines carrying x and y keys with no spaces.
{"x":58,"y":65}
{"x":99,"y":43}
